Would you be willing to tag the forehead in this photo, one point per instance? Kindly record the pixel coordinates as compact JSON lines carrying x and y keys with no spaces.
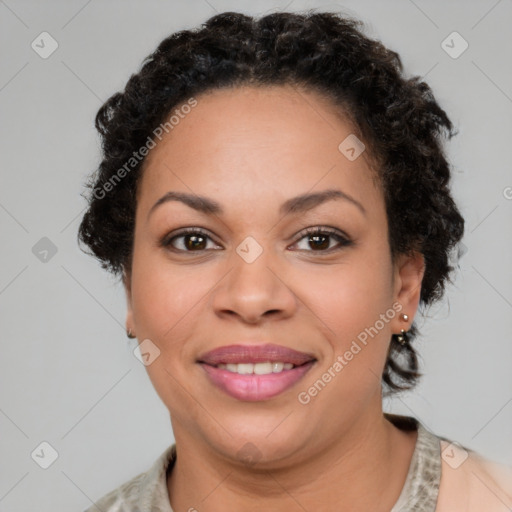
{"x":244,"y":142}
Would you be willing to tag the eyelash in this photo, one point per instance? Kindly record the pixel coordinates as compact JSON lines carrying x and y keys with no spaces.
{"x":342,"y":239}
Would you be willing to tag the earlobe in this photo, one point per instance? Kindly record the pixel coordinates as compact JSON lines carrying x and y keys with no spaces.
{"x":129,"y":311}
{"x":409,"y":272}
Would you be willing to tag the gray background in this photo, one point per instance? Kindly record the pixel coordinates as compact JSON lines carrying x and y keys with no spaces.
{"x":68,"y":373}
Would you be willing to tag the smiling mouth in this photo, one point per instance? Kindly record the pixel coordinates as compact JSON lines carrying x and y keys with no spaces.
{"x":253,"y":387}
{"x":255,"y":372}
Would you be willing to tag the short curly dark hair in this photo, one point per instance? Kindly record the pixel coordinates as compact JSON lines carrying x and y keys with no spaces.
{"x":398,"y":118}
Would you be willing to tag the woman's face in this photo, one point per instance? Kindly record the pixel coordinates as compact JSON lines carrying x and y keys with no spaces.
{"x":254,"y":277}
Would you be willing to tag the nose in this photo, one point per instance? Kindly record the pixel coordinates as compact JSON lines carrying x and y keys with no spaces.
{"x":255,"y":290}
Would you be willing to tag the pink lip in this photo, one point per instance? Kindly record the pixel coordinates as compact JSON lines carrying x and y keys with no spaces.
{"x":255,"y":387}
{"x":254,"y":354}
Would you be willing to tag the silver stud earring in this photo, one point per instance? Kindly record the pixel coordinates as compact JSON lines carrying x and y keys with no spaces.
{"x":402,"y":337}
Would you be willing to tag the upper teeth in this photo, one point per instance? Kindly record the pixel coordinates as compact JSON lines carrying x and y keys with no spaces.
{"x":256,"y":368}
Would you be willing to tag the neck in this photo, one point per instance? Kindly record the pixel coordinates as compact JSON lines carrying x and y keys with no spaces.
{"x":365,"y":469}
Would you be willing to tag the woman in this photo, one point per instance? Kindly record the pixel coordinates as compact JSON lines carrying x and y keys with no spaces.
{"x":274,"y":195}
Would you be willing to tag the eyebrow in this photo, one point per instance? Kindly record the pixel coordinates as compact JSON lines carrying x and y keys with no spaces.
{"x":297,"y":204}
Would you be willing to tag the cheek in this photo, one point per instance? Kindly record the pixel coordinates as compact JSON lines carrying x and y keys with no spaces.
{"x":348,"y":301}
{"x":346,"y":298}
{"x":163,"y":295}
{"x":348,"y":304}
{"x":163,"y":303}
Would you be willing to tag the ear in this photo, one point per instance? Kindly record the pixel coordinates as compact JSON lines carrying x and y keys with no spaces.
{"x":408,"y":275}
{"x":127,"y":283}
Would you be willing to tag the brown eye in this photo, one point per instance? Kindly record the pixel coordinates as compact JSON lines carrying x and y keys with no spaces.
{"x":191,"y":240}
{"x":320,"y":239}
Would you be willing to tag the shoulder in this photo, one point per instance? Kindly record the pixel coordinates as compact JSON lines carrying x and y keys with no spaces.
{"x":146,"y":491}
{"x":472,"y":483}
{"x":122,"y":499}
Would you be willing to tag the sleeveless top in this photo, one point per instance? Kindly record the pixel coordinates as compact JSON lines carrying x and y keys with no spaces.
{"x":470,"y":482}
